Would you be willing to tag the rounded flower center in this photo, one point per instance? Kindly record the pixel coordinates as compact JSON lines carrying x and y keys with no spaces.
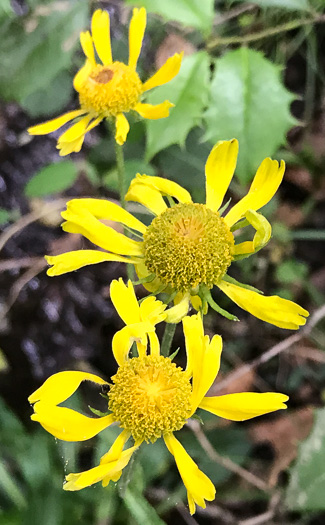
{"x":150,"y":396}
{"x":188,"y":245}
{"x":110,"y":90}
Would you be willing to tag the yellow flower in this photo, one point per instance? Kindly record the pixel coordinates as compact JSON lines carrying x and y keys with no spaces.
{"x":188,"y":247}
{"x":110,"y":89}
{"x":149,"y":398}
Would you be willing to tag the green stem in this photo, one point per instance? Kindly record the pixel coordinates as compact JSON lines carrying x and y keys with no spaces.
{"x":120,"y":172}
{"x":167,"y":339}
{"x":289,"y":26}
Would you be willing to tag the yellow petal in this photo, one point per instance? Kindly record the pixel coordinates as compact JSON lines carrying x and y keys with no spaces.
{"x":265,"y":184}
{"x":261,"y":237}
{"x":124,"y":339}
{"x":71,"y":261}
{"x":154,"y":344}
{"x":125,"y":302}
{"x":199,"y":487}
{"x":104,"y":471}
{"x":166,"y":73}
{"x":179,"y":311}
{"x":56,"y":123}
{"x":154,"y":112}
{"x":117,"y":448}
{"x":194,"y":341}
{"x":142,"y":273}
{"x":165,"y":186}
{"x":83,"y":222}
{"x":76,"y":130}
{"x":70,"y":147}
{"x":101,"y":35}
{"x":243,"y":406}
{"x":68,"y":425}
{"x":122,"y":129}
{"x":82,"y":75}
{"x":219,"y":170}
{"x":145,"y":195}
{"x":87,"y":46}
{"x":152,"y":310}
{"x":272,"y":309}
{"x":105,"y":209}
{"x":136,"y":34}
{"x":59,"y":387}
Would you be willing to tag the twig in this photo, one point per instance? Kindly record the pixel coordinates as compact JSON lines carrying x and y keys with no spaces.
{"x":29,"y":218}
{"x":265,"y":516}
{"x":223,"y":460}
{"x":246,"y":39}
{"x":273,"y":351}
{"x":233,"y":13}
{"x":16,"y":264}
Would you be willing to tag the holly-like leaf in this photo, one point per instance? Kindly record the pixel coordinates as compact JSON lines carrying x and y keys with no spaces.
{"x":193,"y":13}
{"x":189,"y":92}
{"x":307,"y":478}
{"x":52,"y":179}
{"x":249,"y":102}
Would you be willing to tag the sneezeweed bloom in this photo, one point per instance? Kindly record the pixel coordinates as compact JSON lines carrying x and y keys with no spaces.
{"x":188,"y":247}
{"x":108,"y":89}
{"x":149,"y":398}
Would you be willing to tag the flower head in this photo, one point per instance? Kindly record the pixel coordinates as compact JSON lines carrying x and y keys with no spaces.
{"x":108,"y":89}
{"x":188,"y":247}
{"x":150,"y":398}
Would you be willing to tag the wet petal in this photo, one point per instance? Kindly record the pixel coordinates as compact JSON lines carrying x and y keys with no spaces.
{"x":124,"y":339}
{"x":166,"y":73}
{"x":71,"y":261}
{"x":136,"y":34}
{"x":56,"y":123}
{"x":122,"y":128}
{"x":199,"y":487}
{"x":261,"y":237}
{"x":99,"y":473}
{"x":68,"y":425}
{"x":87,"y":45}
{"x":105,"y":209}
{"x":59,"y":387}
{"x":272,"y":309}
{"x":146,"y":195}
{"x":265,"y":184}
{"x":101,"y":35}
{"x":125,"y":302}
{"x":243,"y":406}
{"x":219,"y":170}
{"x":154,"y":112}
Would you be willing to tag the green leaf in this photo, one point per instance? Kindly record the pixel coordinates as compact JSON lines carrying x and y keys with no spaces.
{"x":189,"y":92}
{"x":293,"y":5}
{"x":140,"y":509}
{"x":249,"y":102}
{"x":193,"y":13}
{"x":37,"y":48}
{"x":291,"y":271}
{"x":4,"y":216}
{"x":52,"y":179}
{"x":50,"y":99}
{"x":307,"y":477}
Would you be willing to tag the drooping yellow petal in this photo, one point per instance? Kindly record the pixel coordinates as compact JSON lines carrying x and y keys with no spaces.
{"x":56,"y":123}
{"x":59,"y":387}
{"x":100,"y":29}
{"x":72,"y":140}
{"x":125,"y":302}
{"x":165,"y":186}
{"x":219,"y":170}
{"x":143,"y":273}
{"x":83,"y":222}
{"x":122,"y":127}
{"x":199,"y":487}
{"x":154,"y":112}
{"x":152,"y":310}
{"x":166,"y":73}
{"x":194,"y":341}
{"x":71,"y":261}
{"x":87,"y":46}
{"x":124,"y":339}
{"x":75,"y":131}
{"x":67,"y":424}
{"x":82,"y":75}
{"x":265,"y":184}
{"x":261,"y":237}
{"x":272,"y":309}
{"x":136,"y":34}
{"x":105,"y":209}
{"x":70,"y":147}
{"x":176,"y":313}
{"x":243,"y":406}
{"x":99,"y":473}
{"x":117,"y":448}
{"x":154,"y":344}
{"x":146,"y":195}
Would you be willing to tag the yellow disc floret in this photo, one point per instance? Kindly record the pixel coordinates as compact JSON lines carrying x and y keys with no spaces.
{"x":150,"y":396}
{"x":187,"y":245}
{"x":110,"y":90}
